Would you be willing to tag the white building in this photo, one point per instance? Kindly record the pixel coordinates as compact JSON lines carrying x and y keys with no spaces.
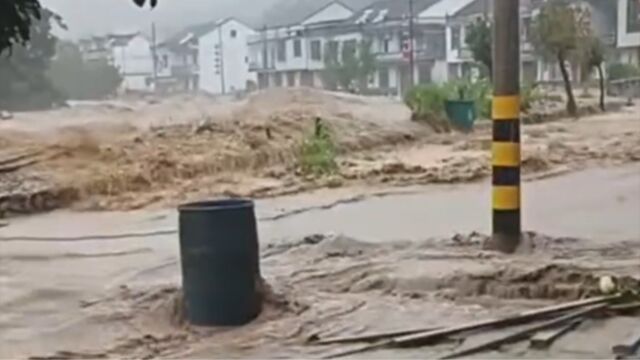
{"x":133,"y":57}
{"x":294,"y":54}
{"x":131,"y":53}
{"x":460,"y":15}
{"x":291,"y":54}
{"x":628,"y":39}
{"x":211,"y":57}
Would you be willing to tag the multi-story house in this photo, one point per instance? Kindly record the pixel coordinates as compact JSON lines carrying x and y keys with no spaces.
{"x":459,"y":57}
{"x":628,"y":31}
{"x":390,"y":26}
{"x":290,"y":53}
{"x":130,"y":53}
{"x":294,"y":54}
{"x":211,"y":57}
{"x":177,"y":61}
{"x":533,"y":67}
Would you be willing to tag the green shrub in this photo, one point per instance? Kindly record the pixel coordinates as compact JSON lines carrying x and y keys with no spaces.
{"x":622,"y":71}
{"x":529,"y":94}
{"x":478,"y":91}
{"x":318,"y":152}
{"x":427,"y":100}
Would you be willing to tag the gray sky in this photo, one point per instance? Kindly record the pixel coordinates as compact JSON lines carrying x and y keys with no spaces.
{"x":86,"y":17}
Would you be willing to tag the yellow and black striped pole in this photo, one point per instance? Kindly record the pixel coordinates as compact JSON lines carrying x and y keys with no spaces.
{"x":506,"y":126}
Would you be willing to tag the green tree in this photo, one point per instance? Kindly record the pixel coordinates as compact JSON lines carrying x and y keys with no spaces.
{"x":556,"y":33}
{"x":352,"y":68}
{"x":24,"y":82}
{"x":79,"y":79}
{"x":593,"y":58}
{"x":17,"y":16}
{"x":617,"y":71}
{"x":478,"y":39}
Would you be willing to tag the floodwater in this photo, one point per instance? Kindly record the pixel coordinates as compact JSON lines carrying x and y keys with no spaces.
{"x":42,"y":283}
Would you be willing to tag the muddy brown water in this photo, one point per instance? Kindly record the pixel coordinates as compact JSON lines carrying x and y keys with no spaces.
{"x":113,"y":298}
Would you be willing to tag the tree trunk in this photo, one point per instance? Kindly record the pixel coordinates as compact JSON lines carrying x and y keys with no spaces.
{"x":572,"y":109}
{"x":602,"y":90}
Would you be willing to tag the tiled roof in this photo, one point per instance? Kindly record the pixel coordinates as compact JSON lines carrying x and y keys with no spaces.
{"x":390,"y":9}
{"x":293,"y":12}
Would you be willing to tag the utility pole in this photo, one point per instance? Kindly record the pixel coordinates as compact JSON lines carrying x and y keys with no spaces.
{"x":154,"y":54}
{"x":221,"y":59}
{"x":412,"y":55}
{"x":506,"y":125}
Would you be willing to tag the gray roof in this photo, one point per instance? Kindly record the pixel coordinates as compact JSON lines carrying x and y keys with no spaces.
{"x":475,"y":8}
{"x":198,"y":30}
{"x":293,"y":12}
{"x":390,"y":10}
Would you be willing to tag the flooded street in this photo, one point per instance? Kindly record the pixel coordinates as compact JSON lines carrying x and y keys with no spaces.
{"x":379,"y":143}
{"x":46,"y":283}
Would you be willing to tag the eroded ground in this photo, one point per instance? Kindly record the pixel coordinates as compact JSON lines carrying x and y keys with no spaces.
{"x":162,"y":154}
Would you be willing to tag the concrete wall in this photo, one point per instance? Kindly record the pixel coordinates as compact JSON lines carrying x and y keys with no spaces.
{"x":224,"y":59}
{"x":135,"y":62}
{"x":625,"y":38}
{"x":439,"y":72}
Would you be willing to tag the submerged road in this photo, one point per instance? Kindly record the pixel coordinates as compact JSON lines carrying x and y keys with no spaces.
{"x":42,"y":282}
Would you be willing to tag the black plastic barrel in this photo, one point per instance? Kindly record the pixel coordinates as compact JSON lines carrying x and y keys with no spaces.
{"x":220,"y":262}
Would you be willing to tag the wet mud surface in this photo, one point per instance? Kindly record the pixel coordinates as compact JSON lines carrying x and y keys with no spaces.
{"x":333,"y":285}
{"x":119,"y":297}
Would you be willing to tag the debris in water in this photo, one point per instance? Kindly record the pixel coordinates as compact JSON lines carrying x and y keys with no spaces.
{"x":628,"y":347}
{"x":544,"y":339}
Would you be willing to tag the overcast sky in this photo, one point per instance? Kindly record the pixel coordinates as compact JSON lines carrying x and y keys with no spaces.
{"x":86,"y":17}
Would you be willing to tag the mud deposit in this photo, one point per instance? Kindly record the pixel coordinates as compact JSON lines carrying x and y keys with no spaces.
{"x":159,"y":155}
{"x":328,"y":285}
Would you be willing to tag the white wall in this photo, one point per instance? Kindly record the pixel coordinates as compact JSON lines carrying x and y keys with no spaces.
{"x":233,"y":52}
{"x":629,"y":56}
{"x":304,"y":61}
{"x":625,"y":39}
{"x":135,"y":62}
{"x":440,"y":72}
{"x":172,"y":59}
{"x":453,"y":55}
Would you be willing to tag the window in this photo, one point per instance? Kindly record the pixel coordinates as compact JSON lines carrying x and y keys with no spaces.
{"x":278,"y":79}
{"x":454,"y":71}
{"x":633,"y":16}
{"x":455,"y":38}
{"x":282,"y":50}
{"x":306,"y":78}
{"x":424,"y":73}
{"x":297,"y":48}
{"x":526,"y":29}
{"x":332,"y":50}
{"x":291,"y":79}
{"x":316,"y":50}
{"x":233,"y":33}
{"x":384,"y":78}
{"x":349,"y":47}
{"x":386,"y":45}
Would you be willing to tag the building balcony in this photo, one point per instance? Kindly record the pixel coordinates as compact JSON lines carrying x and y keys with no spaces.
{"x":399,"y":56}
{"x":260,"y":66}
{"x":255,"y":38}
{"x":465,"y":54}
{"x":185,"y":70}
